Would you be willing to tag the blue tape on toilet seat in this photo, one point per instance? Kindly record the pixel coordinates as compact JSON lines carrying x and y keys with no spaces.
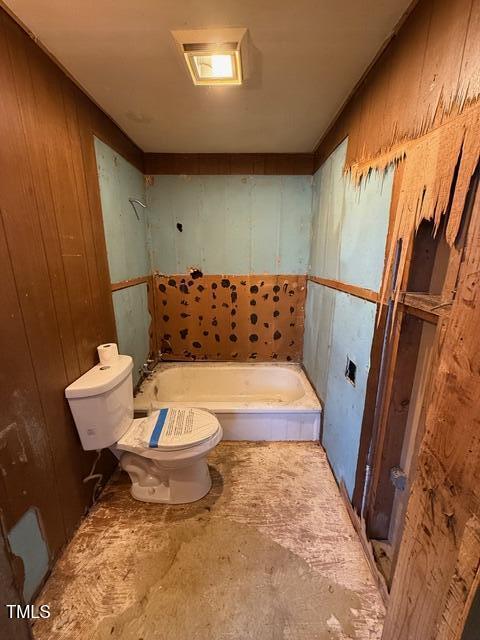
{"x":157,"y":430}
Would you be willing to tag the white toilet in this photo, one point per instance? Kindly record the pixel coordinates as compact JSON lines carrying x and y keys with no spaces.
{"x":165,"y":454}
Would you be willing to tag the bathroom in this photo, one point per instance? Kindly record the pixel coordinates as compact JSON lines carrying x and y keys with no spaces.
{"x":238,"y":329}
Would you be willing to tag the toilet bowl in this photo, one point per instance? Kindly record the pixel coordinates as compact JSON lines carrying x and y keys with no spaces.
{"x":173,"y":472}
{"x":165,"y":453}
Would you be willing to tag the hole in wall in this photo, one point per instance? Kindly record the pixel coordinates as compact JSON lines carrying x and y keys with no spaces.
{"x":29,"y":548}
{"x":196,"y":273}
{"x":351,"y":371}
{"x":180,"y":226}
{"x":430,"y":257}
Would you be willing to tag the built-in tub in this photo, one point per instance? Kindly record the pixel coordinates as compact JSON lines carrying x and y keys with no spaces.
{"x":251,"y":401}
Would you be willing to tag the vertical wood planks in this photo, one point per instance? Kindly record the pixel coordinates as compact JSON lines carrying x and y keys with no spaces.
{"x":55,"y":282}
{"x":429,"y":69}
{"x":441,"y":543}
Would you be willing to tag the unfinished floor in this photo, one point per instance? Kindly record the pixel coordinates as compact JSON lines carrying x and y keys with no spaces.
{"x":269,"y":554}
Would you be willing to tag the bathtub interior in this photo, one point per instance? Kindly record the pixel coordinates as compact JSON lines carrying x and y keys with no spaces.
{"x":226,"y":382}
{"x":214,"y":385}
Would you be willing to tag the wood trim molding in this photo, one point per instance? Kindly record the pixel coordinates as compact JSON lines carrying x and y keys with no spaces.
{"x":228,"y":163}
{"x":352,"y":289}
{"x":132,"y":282}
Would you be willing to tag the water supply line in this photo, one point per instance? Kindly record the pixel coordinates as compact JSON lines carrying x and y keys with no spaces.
{"x":95,"y":476}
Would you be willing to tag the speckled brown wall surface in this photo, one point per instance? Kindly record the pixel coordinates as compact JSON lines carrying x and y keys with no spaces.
{"x":222,"y":317}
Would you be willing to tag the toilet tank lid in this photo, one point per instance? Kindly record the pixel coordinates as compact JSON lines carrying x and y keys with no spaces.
{"x":100,"y":378}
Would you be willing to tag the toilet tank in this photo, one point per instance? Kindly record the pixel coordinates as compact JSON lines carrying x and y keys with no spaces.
{"x":101,"y":402}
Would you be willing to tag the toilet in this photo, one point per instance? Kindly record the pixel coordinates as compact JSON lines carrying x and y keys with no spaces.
{"x":164,"y":453}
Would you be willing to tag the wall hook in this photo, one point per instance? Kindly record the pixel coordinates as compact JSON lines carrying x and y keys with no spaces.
{"x":133,"y":202}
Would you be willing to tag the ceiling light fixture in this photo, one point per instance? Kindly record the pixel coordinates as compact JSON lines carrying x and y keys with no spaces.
{"x":213,"y":56}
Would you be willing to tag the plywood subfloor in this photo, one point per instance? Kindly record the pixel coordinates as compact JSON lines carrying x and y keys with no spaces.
{"x":270,"y":553}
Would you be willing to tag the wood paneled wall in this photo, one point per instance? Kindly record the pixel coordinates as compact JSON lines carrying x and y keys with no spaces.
{"x":419,"y":107}
{"x":438,"y":569}
{"x":429,"y":71}
{"x":283,"y":164}
{"x":55,"y":286}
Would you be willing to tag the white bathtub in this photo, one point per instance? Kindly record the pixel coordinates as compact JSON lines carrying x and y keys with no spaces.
{"x":252,"y":401}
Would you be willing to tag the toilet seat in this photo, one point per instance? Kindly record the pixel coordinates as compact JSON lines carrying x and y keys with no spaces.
{"x":169,"y":430}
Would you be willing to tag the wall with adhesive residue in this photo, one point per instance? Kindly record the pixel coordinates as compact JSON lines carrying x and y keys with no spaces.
{"x":247,"y":317}
{"x":348,"y":244}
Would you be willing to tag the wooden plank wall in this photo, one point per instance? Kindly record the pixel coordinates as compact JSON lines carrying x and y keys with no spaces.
{"x":438,"y":569}
{"x":283,"y":164}
{"x":419,"y":106}
{"x":55,"y":286}
{"x":429,"y":70}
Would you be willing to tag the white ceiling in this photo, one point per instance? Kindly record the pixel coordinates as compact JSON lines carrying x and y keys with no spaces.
{"x":305,"y":56}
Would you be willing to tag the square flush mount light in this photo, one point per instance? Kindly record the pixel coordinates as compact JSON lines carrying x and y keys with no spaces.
{"x":213,"y":56}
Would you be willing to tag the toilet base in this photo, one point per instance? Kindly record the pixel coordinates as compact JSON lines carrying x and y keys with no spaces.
{"x":155,"y":482}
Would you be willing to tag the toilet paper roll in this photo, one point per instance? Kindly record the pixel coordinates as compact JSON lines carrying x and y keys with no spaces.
{"x":107,"y":353}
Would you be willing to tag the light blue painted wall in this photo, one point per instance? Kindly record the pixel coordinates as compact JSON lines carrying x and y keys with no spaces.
{"x":319,"y":309}
{"x":231,"y":224}
{"x":26,"y":541}
{"x":349,"y":230}
{"x":127,"y":249}
{"x":338,"y":326}
{"x":350,"y":224}
{"x":351,"y":334}
{"x":126,"y":237}
{"x":133,"y":320}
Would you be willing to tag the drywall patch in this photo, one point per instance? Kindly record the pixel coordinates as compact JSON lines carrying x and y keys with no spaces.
{"x":28,"y":544}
